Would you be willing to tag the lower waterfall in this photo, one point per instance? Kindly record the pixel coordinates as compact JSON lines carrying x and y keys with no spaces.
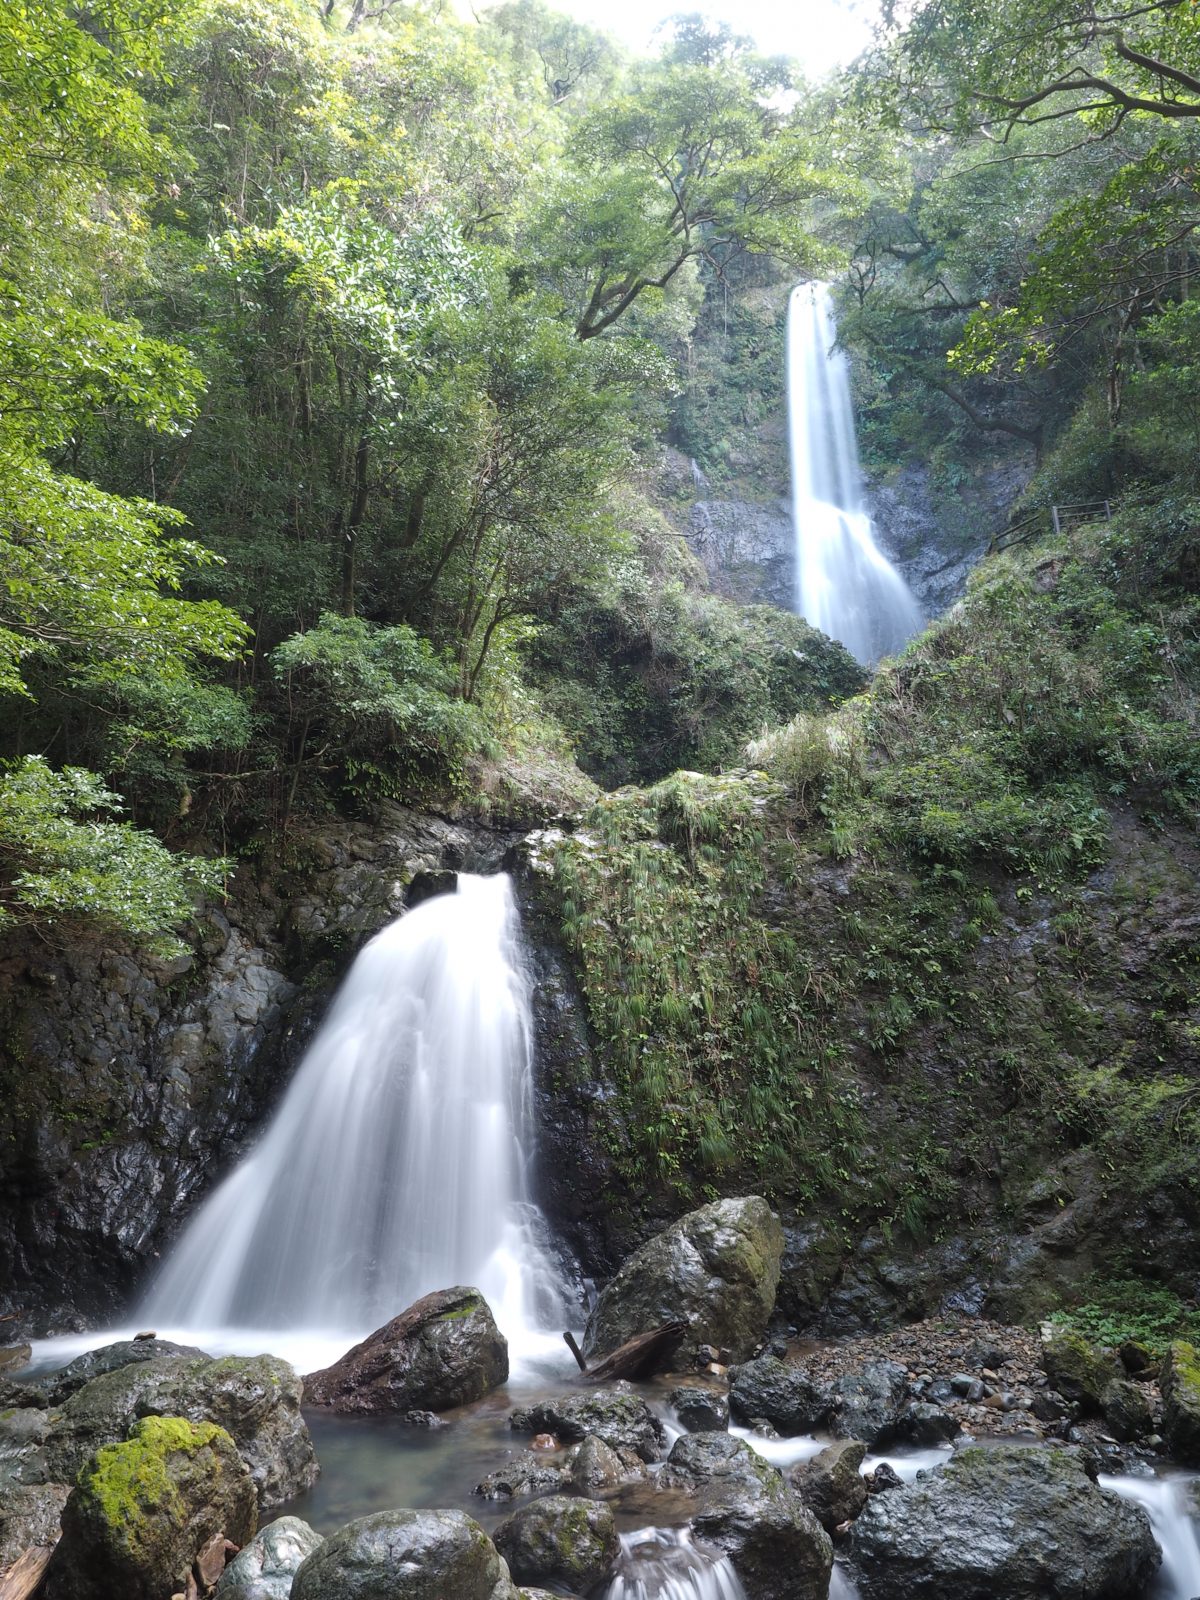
{"x":397,"y":1162}
{"x":664,"y":1564}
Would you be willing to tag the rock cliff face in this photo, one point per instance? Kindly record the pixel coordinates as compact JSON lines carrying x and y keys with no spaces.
{"x":747,"y":547}
{"x":128,"y":1085}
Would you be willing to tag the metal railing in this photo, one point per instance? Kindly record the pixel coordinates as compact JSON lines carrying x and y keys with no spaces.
{"x":1050,"y":519}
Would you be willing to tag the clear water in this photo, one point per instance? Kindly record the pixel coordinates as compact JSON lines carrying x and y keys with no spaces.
{"x":398,"y":1160}
{"x":845,"y":585}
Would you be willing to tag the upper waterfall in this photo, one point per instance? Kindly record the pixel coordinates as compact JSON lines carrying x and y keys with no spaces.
{"x":845,"y":585}
{"x":396,"y":1163}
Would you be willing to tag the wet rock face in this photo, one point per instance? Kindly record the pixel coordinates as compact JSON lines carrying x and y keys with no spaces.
{"x":264,"y":1568}
{"x":256,"y":1399}
{"x":782,"y":1393}
{"x":560,"y":1540}
{"x":142,"y":1509}
{"x":698,"y":1408}
{"x":30,"y":1514}
{"x":748,"y":549}
{"x":406,"y":1555}
{"x":128,"y":1084}
{"x":1022,"y":1523}
{"x":616,"y":1415}
{"x":716,"y":1268}
{"x":443,"y":1351}
{"x":831,"y":1485}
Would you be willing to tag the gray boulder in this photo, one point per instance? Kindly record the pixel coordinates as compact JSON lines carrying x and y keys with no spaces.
{"x":527,"y":1472}
{"x":256,"y":1399}
{"x":264,"y":1568}
{"x":1021,"y":1523}
{"x":921,"y":1423}
{"x":24,"y":1431}
{"x":61,"y":1385}
{"x":562,"y":1541}
{"x":746,"y":1510}
{"x":618,"y":1415}
{"x":782,"y":1393}
{"x":596,"y":1467}
{"x":443,"y":1351}
{"x":717,"y":1268}
{"x":698,"y":1408}
{"x":406,"y":1555}
{"x":868,"y":1403}
{"x":1127,"y":1411}
{"x":142,"y":1510}
{"x":831,"y":1485}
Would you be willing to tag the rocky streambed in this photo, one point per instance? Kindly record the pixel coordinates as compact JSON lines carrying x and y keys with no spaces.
{"x":954,"y":1460}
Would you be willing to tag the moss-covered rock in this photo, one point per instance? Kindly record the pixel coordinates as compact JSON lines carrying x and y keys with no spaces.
{"x":560,"y":1540}
{"x":717,"y":1268}
{"x":1077,"y":1369}
{"x":142,"y":1509}
{"x":1181,"y":1402}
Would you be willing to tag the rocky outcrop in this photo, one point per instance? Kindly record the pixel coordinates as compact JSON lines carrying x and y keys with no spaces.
{"x":618,"y":1415}
{"x":265,"y":1567}
{"x":443,"y":1351}
{"x":560,"y":1540}
{"x":748,"y":549}
{"x":716,"y":1268}
{"x":746,"y":1510}
{"x":406,"y":1555}
{"x":256,"y":1399}
{"x":143,"y":1509}
{"x":1022,"y":1523}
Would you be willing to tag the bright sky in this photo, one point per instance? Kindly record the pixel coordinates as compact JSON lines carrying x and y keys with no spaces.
{"x":822,"y":34}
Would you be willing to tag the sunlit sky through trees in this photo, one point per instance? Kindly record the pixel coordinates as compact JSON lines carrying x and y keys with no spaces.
{"x":822,"y":34}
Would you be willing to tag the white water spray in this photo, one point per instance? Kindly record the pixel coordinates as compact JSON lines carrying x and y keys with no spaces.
{"x":396,"y":1163}
{"x":1168,"y":1501}
{"x":845,"y":585}
{"x":664,"y":1564}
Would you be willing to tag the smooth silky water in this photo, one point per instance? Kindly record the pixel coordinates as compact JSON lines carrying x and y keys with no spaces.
{"x":845,"y":585}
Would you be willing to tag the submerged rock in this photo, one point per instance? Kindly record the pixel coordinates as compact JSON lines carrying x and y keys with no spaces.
{"x":560,"y":1540}
{"x":782,"y":1393}
{"x":717,"y":1268}
{"x":406,"y":1555}
{"x":445,"y":1350}
{"x":830,"y":1485}
{"x":264,"y":1568}
{"x":142,"y":1509}
{"x":527,"y":1473}
{"x":746,"y":1510}
{"x":256,"y":1399}
{"x":618,"y":1415}
{"x":1011,"y":1522}
{"x":1181,"y":1402}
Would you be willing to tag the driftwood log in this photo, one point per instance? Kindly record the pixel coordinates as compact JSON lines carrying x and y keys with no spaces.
{"x":24,"y":1578}
{"x":638,"y":1357}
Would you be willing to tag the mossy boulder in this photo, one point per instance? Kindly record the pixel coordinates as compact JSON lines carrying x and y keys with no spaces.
{"x":1181,"y":1402}
{"x":406,"y":1555}
{"x":1077,"y":1369}
{"x":1127,"y":1411}
{"x":1022,"y":1523}
{"x":256,"y":1399}
{"x":560,"y":1540}
{"x":445,"y":1350}
{"x":264,"y":1568}
{"x":141,"y":1510}
{"x":717,"y":1268}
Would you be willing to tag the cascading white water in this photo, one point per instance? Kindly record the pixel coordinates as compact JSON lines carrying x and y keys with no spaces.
{"x":845,"y":585}
{"x":1168,"y":1501}
{"x":396,"y":1163}
{"x":664,"y":1564}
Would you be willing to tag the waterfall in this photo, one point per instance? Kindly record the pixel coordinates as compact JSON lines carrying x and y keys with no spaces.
{"x":664,"y":1564}
{"x":1169,"y":1505}
{"x":845,"y":585}
{"x":396,"y":1163}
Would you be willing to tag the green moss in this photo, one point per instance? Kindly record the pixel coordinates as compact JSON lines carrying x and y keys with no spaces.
{"x":125,"y":1480}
